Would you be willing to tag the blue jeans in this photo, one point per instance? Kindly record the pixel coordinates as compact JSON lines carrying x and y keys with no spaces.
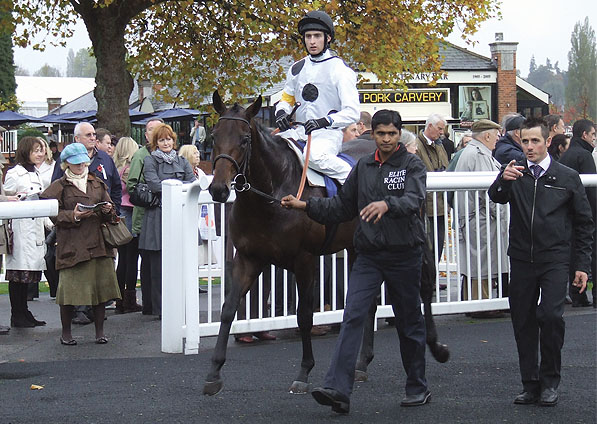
{"x":401,"y":270}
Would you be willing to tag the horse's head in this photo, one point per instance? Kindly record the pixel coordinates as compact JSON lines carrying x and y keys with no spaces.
{"x":231,"y":144}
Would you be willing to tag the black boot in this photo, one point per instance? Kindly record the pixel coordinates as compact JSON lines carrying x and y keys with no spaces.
{"x":32,"y":319}
{"x":32,"y":291}
{"x":130,"y":301}
{"x":25,"y":292}
{"x":18,"y":305}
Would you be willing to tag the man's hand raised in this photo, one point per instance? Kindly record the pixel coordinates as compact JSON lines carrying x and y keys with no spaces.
{"x":512,"y":172}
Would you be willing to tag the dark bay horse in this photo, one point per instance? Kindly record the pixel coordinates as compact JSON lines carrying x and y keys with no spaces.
{"x":263,"y":232}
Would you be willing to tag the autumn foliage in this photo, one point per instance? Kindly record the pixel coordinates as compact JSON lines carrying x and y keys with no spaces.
{"x":238,"y":45}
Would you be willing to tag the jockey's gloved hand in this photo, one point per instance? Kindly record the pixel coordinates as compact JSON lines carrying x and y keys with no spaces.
{"x":283,"y":121}
{"x":316,"y":124}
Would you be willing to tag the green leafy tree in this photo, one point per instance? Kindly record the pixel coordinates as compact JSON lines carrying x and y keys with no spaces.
{"x":198,"y":45}
{"x":532,"y":65}
{"x":70,"y":63}
{"x":549,"y":79}
{"x":8,"y":84}
{"x":21,"y":72}
{"x":27,"y":131}
{"x":81,"y":64}
{"x":47,"y":71}
{"x":581,"y":92}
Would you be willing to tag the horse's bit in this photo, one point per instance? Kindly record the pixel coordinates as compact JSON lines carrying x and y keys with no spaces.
{"x":240,"y":182}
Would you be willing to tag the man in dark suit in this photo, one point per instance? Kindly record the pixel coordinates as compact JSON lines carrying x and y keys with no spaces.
{"x":579,"y":157}
{"x":548,"y":209}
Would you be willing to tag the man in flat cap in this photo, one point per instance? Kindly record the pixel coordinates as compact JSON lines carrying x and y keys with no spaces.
{"x":472,"y":223}
{"x":508,"y":146}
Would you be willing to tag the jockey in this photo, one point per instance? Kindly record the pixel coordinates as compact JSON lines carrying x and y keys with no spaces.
{"x":326,"y":89}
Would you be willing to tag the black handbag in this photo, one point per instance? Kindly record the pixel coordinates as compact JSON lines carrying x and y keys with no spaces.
{"x":142,"y":196}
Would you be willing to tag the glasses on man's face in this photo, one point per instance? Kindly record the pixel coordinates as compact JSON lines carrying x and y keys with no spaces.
{"x":90,"y":135}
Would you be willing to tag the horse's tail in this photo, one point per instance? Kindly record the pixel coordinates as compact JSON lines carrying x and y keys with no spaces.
{"x":439,"y":351}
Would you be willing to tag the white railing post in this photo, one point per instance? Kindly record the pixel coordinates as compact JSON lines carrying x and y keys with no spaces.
{"x":180,"y":265}
{"x":190,"y":266}
{"x":172,"y":267}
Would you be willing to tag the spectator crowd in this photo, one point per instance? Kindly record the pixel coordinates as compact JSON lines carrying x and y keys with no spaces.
{"x":121,"y":163}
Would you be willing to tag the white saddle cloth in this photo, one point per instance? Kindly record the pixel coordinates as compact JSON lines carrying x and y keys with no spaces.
{"x":315,"y":179}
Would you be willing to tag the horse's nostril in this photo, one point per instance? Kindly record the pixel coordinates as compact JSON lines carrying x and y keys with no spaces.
{"x":219,"y":193}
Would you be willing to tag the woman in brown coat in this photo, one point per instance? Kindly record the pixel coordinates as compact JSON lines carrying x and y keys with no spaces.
{"x":86,"y":266}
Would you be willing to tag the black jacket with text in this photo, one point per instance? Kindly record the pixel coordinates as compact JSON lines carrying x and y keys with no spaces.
{"x":400,"y":182}
{"x":545,"y":214}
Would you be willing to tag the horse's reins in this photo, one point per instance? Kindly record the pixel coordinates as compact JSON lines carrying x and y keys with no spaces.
{"x":240,"y":182}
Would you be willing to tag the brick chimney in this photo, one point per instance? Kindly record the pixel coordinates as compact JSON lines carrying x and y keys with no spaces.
{"x":53,"y":103}
{"x":503,"y":53}
{"x":145,"y":89}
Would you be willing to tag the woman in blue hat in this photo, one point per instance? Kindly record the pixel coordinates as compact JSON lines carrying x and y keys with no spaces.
{"x":86,"y":266}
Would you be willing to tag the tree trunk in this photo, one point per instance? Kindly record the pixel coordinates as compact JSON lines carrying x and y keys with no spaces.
{"x":114,"y":83}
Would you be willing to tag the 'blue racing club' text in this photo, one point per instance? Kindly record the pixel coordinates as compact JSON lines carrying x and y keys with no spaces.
{"x":395,"y":180}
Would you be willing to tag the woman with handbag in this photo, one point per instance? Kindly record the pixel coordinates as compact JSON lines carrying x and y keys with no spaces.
{"x":26,"y":262}
{"x":85,"y":262}
{"x":162,"y":164}
{"x":128,"y":255}
{"x":4,"y":236}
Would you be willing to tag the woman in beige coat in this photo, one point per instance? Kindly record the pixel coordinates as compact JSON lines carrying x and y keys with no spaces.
{"x":26,"y":263}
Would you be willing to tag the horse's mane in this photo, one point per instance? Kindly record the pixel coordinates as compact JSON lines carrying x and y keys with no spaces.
{"x":279,"y":149}
{"x":281,"y":161}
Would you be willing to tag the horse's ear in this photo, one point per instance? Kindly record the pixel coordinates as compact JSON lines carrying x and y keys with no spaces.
{"x":219,"y":105}
{"x":253,"y":110}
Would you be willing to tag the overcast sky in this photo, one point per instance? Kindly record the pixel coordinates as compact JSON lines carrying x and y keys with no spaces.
{"x":542,"y":28}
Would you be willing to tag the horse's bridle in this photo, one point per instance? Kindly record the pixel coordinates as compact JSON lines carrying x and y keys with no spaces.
{"x":240,"y":182}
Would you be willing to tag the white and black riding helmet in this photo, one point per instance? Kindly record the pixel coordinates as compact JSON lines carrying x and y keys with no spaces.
{"x":317,"y":20}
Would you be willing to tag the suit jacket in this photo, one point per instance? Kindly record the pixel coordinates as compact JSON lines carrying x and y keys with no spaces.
{"x":435,"y":159}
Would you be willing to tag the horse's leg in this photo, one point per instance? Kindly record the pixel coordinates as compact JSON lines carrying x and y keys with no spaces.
{"x":304,"y":278}
{"x":244,"y":272}
{"x":439,"y":351}
{"x":366,"y":354}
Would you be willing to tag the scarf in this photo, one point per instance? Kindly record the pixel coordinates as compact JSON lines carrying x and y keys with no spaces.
{"x":166,"y":157}
{"x":80,"y":181}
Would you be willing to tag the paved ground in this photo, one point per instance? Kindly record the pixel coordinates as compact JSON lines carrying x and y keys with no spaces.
{"x":130,"y":380}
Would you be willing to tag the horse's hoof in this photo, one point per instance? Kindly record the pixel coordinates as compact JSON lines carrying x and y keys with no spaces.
{"x":212,"y":387}
{"x":300,"y":388}
{"x":360,"y":376}
{"x":440,"y":352}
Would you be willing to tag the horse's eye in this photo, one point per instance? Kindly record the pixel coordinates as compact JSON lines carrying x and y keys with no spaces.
{"x":246,"y":139}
